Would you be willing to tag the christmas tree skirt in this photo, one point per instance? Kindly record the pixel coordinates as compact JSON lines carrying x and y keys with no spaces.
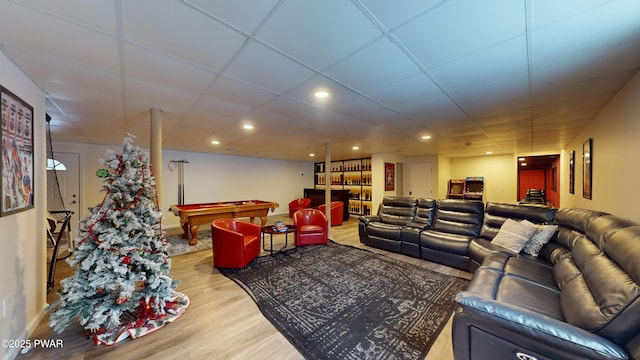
{"x":146,"y":323}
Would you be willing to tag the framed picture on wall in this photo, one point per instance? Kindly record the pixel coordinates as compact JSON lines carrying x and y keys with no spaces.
{"x":389,"y":176}
{"x":16,"y":163}
{"x":587,"y":164}
{"x":572,"y":171}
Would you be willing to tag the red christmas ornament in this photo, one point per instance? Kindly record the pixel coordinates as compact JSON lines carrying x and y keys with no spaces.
{"x":126,"y":260}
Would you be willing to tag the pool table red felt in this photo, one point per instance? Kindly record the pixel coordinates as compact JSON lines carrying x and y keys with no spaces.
{"x":194,"y":215}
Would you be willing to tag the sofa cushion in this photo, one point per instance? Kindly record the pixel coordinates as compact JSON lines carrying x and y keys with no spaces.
{"x":527,"y":268}
{"x":492,"y":283}
{"x":576,"y":219}
{"x":528,"y":330}
{"x":450,"y":243}
{"x":600,"y":290}
{"x":463,"y":217}
{"x":543,"y":234}
{"x":497,"y":213}
{"x":384,"y":230}
{"x":513,"y":235}
{"x":424,"y":213}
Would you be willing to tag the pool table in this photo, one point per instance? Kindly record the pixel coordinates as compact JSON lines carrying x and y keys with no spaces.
{"x":194,"y":215}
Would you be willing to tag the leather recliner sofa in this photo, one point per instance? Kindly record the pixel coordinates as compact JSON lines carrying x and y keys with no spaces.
{"x":384,"y":230}
{"x":436,"y":230}
{"x":578,"y":299}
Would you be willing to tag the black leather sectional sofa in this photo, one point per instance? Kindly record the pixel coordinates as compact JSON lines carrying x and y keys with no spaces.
{"x":578,"y":299}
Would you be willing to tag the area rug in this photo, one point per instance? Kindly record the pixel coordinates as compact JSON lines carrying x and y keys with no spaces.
{"x":181,"y":246}
{"x":339,"y":302}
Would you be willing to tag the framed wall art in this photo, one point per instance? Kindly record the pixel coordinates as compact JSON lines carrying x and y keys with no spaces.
{"x":17,"y":154}
{"x":389,"y":176}
{"x":572,"y":171}
{"x":587,"y":164}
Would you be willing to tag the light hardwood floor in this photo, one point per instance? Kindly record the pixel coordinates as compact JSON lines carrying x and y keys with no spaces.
{"x":222,"y":321}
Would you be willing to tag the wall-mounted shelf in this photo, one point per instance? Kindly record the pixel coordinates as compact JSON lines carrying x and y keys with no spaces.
{"x":353,"y":175}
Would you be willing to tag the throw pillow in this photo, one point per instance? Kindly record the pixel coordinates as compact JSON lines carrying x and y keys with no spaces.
{"x":514,"y":235}
{"x":543,"y":234}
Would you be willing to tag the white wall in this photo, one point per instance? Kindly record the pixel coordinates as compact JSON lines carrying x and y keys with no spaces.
{"x":207,"y":178}
{"x":443,"y":176}
{"x":499,"y":172}
{"x":23,"y":271}
{"x":377,"y":178}
{"x":211,"y":178}
{"x":616,"y":146}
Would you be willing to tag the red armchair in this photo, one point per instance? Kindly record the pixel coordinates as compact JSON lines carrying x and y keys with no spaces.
{"x":235,"y":242}
{"x":298,"y":204}
{"x":337,"y":210}
{"x":311,"y":227}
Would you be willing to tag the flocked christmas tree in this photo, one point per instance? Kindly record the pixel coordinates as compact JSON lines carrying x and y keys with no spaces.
{"x":121,"y":284}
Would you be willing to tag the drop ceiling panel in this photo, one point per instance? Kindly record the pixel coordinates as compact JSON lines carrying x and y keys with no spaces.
{"x":368,"y":111}
{"x":181,"y":31}
{"x":433,"y":109}
{"x":288,"y":107}
{"x":548,"y":12}
{"x":609,"y":62}
{"x":234,"y":12}
{"x":159,"y":97}
{"x":500,"y":96}
{"x":46,"y":71}
{"x":435,"y":40}
{"x":99,"y":15}
{"x":614,"y":23}
{"x":411,"y":90}
{"x":69,"y":40}
{"x":498,"y":61}
{"x":515,"y":115}
{"x":261,"y":66}
{"x":216,"y":106}
{"x":374,"y":66}
{"x":78,"y":100}
{"x":392,"y":15}
{"x":318,"y":33}
{"x":166,"y":71}
{"x":240,"y":93}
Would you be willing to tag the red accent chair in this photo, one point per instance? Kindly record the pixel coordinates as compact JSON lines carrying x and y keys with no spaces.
{"x":311,"y":226}
{"x":235,"y":242}
{"x":337,"y":211}
{"x":298,"y":204}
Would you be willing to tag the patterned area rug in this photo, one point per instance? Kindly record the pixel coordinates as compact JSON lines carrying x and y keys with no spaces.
{"x":341,"y":302}
{"x":181,"y":246}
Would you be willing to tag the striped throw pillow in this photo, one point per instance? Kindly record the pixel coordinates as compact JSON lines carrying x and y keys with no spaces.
{"x":514,"y":235}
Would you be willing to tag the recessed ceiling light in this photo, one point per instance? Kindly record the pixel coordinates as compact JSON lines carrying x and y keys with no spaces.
{"x":489,"y":152}
{"x":321,"y":94}
{"x":215,"y":142}
{"x":312,"y":154}
{"x":247,"y":127}
{"x":426,"y":137}
{"x":356,"y":148}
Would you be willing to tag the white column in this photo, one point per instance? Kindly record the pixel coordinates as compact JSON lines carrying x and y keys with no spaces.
{"x":156,"y":151}
{"x":327,"y":187}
